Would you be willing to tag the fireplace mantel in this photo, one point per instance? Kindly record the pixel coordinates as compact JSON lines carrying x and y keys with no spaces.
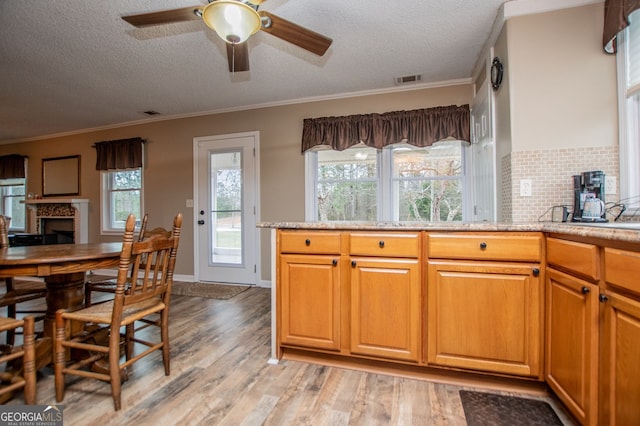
{"x":76,"y":209}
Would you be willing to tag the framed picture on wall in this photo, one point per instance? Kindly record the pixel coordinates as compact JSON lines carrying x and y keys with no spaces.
{"x":61,"y":176}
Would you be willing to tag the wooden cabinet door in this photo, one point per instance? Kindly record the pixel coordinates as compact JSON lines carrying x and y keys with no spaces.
{"x":385,"y":308}
{"x":572,"y":343}
{"x":620,"y":397}
{"x":485,"y":316}
{"x":309,"y":301}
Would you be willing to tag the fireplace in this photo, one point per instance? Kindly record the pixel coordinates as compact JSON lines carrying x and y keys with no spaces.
{"x":63,"y":229}
{"x":66,"y":218}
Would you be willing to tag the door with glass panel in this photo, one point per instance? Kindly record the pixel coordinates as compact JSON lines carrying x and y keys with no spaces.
{"x":226,"y":202}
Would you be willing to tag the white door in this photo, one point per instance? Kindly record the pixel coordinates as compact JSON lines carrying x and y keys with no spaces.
{"x":226,"y":202}
{"x":483,"y":157}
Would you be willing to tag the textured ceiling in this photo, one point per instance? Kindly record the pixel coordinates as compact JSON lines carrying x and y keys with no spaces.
{"x":69,"y":65}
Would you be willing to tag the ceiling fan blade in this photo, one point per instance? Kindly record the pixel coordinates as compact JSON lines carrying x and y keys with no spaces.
{"x":163,"y":17}
{"x":238,"y":57}
{"x":295,"y":34}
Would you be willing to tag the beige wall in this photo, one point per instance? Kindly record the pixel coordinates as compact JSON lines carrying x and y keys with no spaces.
{"x":556,"y":114}
{"x":168,"y":174}
{"x":563,"y":84}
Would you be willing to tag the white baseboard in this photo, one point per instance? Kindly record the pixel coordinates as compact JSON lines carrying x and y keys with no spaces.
{"x":179,"y":277}
{"x":264,"y":284}
{"x":114,"y":273}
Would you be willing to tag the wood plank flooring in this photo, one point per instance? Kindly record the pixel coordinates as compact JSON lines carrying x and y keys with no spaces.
{"x":220,"y":376}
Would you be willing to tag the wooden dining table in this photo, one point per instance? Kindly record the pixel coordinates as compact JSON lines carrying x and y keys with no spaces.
{"x":63,"y":268}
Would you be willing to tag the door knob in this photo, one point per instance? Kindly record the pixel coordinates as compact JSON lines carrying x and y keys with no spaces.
{"x":201,"y":222}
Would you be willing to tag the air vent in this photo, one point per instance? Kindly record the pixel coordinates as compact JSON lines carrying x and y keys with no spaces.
{"x":150,"y":112}
{"x":408,"y":79}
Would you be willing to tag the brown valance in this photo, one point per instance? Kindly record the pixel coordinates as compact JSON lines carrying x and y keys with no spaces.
{"x":616,"y":19}
{"x":12,"y":166}
{"x":420,"y":127}
{"x":120,"y":154}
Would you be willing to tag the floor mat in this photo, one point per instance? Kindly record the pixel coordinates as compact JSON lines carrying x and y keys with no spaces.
{"x":481,"y":408}
{"x":208,"y":290}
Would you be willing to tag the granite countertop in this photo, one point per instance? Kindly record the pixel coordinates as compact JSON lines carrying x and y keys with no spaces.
{"x":621,"y":231}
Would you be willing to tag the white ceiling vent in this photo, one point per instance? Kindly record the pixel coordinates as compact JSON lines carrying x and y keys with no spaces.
{"x":408,"y":79}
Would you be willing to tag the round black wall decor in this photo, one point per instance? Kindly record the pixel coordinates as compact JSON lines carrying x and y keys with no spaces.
{"x":496,"y":73}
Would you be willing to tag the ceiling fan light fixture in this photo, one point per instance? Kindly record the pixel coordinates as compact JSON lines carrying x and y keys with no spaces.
{"x":232,"y":20}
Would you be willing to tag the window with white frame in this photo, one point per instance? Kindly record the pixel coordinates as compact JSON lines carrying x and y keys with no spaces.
{"x":346,"y":184}
{"x":398,"y":183}
{"x":427,"y":182}
{"x":629,"y":113}
{"x":121,"y":196}
{"x":12,"y":192}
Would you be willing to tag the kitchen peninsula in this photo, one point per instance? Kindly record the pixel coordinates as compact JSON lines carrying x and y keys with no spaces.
{"x":508,"y":306}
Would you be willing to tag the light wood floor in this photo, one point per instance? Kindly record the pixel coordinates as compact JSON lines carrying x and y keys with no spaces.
{"x":220,"y":376}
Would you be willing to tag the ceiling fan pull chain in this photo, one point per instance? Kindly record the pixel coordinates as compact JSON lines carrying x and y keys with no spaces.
{"x":233,"y":58}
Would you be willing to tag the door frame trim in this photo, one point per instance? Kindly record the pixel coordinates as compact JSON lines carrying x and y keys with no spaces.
{"x":196,"y":249}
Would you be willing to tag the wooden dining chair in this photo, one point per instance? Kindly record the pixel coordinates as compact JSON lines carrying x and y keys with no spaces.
{"x":18,"y":292}
{"x":19,"y":370}
{"x":146,"y":273}
{"x":109,"y":285}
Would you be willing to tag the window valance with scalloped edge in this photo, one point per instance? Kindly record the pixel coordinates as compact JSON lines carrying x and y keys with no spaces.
{"x":422,"y":127}
{"x":616,"y":19}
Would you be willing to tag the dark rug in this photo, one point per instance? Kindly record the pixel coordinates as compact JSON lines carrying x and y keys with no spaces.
{"x":481,"y":408}
{"x":208,"y":290}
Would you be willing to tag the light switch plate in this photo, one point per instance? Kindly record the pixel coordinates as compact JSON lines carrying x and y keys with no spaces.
{"x":525,"y":187}
{"x":189,"y":203}
{"x":610,"y":185}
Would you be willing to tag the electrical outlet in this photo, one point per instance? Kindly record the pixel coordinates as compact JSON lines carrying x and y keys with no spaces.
{"x":610,"y":185}
{"x":525,"y":187}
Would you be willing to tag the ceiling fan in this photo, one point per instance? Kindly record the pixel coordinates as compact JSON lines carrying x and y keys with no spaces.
{"x":235,"y":21}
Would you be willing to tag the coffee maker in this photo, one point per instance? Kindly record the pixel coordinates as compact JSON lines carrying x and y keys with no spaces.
{"x":588,"y":187}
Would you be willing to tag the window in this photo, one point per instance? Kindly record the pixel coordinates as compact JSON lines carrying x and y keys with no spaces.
{"x":12,"y":193}
{"x":347,"y":184}
{"x":629,"y":112}
{"x":398,"y":183}
{"x":427,"y":182}
{"x":121,"y":195}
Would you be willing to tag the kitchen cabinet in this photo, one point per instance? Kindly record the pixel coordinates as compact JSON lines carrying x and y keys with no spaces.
{"x":386,"y":296}
{"x":572,"y":343}
{"x":441,"y":301}
{"x":592,"y":350}
{"x":484,"y":313}
{"x":620,"y":336}
{"x":572,"y":326}
{"x":309,"y":289}
{"x":620,"y":361}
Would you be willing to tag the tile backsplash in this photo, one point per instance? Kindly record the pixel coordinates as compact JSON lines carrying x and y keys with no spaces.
{"x":550,"y":172}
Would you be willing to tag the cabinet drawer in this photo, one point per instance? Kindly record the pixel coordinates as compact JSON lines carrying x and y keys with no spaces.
{"x":505,"y":246}
{"x":385,"y":244}
{"x":317,"y":242}
{"x":577,"y":258}
{"x":621,"y":268}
